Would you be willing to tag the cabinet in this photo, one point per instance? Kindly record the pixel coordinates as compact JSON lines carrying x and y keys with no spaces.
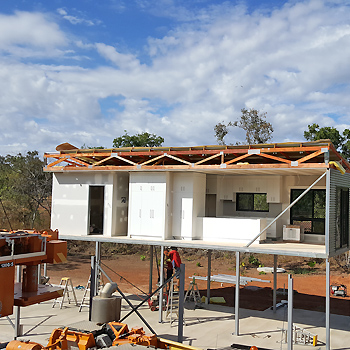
{"x":226,"y":188}
{"x":274,"y":189}
{"x":211,"y":184}
{"x":147,"y":205}
{"x":188,"y":203}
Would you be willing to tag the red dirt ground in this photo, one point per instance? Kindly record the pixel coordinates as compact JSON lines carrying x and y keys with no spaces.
{"x":310,"y":288}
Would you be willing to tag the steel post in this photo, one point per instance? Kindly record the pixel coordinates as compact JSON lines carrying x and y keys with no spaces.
{"x":97,"y":262}
{"x":150,"y":269}
{"x":328,"y":306}
{"x":237,"y":295}
{"x":290,"y":313}
{"x":18,"y":327}
{"x":208,"y":279}
{"x":274,"y":283}
{"x":161,"y":281}
{"x":180,"y":331}
{"x":92,"y":283}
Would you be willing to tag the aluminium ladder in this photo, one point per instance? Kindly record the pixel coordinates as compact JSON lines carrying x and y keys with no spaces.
{"x":67,"y":285}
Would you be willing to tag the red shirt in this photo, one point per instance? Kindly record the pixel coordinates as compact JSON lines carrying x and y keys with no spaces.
{"x":174,"y":256}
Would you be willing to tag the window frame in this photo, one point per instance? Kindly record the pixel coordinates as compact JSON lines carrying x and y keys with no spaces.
{"x":312,"y":219}
{"x":253,"y":194}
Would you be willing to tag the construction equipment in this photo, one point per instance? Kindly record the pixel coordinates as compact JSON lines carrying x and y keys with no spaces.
{"x":28,"y":248}
{"x":153,"y":302}
{"x":339,"y":290}
{"x":110,"y":334}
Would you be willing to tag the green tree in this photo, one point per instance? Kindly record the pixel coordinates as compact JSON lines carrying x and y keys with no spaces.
{"x":25,"y":188}
{"x":340,"y":141}
{"x":253,"y":122}
{"x":143,"y":139}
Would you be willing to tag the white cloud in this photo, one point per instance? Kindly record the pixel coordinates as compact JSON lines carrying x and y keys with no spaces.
{"x":24,"y":28}
{"x":291,"y":63}
{"x":75,"y":19}
{"x":123,"y":61}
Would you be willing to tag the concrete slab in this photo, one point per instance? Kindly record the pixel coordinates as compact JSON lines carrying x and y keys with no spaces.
{"x":211,"y":327}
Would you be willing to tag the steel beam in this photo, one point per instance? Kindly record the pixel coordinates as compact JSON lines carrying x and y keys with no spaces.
{"x":289,"y":206}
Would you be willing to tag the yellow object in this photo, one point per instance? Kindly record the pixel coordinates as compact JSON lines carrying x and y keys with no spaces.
{"x":214,"y":300}
{"x":314,"y":343}
{"x":338,"y":166}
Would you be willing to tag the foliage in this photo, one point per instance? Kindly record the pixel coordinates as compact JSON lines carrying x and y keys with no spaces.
{"x":144,"y":139}
{"x":253,"y":122}
{"x":143,"y":257}
{"x":253,"y":260}
{"x":85,"y":146}
{"x":302,"y":271}
{"x":25,"y":188}
{"x":257,"y":129}
{"x":221,"y":130}
{"x":199,"y":264}
{"x":312,"y":263}
{"x":340,"y":141}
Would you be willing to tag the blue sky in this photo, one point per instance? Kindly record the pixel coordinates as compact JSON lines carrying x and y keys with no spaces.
{"x":84,"y":71}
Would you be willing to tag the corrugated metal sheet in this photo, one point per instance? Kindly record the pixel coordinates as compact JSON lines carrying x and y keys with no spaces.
{"x":337,"y":180}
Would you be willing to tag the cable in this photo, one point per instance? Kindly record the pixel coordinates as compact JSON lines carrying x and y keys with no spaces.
{"x":123,"y":278}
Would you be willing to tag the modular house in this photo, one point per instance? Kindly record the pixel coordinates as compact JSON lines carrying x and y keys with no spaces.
{"x":283,"y":198}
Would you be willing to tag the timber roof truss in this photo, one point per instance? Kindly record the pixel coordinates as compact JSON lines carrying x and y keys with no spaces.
{"x":277,"y":155}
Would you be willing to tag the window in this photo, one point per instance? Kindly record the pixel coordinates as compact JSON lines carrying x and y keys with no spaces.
{"x":342,"y":217}
{"x":309,"y":212}
{"x":252,"y":202}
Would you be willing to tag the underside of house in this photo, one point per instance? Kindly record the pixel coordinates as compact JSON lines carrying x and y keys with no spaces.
{"x":284,"y":199}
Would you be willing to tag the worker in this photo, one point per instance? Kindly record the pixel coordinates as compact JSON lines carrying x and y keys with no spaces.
{"x":168,"y":264}
{"x":175,"y":258}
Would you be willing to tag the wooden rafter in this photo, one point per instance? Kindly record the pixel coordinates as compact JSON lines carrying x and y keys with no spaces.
{"x":310,"y":156}
{"x":279,"y":159}
{"x":237,"y":159}
{"x":209,"y":158}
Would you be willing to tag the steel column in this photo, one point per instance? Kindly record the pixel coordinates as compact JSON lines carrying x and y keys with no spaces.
{"x":290,"y":313}
{"x":161,"y":281}
{"x":180,"y":330}
{"x":18,"y":327}
{"x":208,"y":279}
{"x":274,"y":283}
{"x":237,"y":295}
{"x":92,"y":283}
{"x":150,"y":269}
{"x":328,"y":306}
{"x":97,"y":262}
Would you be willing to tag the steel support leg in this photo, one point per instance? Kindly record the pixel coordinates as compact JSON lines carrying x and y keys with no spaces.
{"x":18,"y":328}
{"x":274,"y":283}
{"x":208,"y":279}
{"x":237,"y":295}
{"x":150,"y":269}
{"x":328,"y":306}
{"x":92,"y":283}
{"x":290,"y":313}
{"x":180,"y":330}
{"x":161,"y":281}
{"x":97,"y":262}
